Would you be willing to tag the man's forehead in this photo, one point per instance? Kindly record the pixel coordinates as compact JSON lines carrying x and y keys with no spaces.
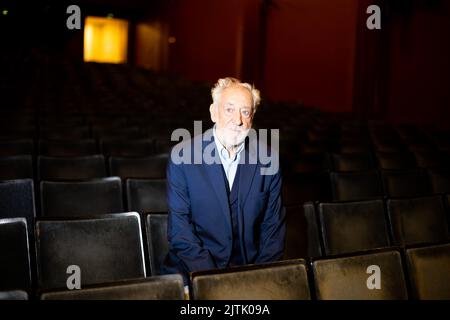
{"x":235,"y":93}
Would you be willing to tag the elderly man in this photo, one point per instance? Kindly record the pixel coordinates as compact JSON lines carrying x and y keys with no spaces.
{"x":226,"y":213}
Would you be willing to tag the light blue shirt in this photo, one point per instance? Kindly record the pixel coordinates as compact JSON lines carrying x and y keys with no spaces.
{"x":229,"y":164}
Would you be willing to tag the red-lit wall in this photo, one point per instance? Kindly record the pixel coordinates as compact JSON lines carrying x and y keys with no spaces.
{"x":309,"y":47}
{"x":419,"y":78}
{"x":310,"y":52}
{"x":208,"y":39}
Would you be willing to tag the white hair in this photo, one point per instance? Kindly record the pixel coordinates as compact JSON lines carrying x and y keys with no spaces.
{"x":229,"y":82}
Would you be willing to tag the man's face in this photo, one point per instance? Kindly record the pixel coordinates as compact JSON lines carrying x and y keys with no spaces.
{"x":233,"y":116}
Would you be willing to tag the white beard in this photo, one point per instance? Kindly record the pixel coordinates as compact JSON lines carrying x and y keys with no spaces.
{"x":231,"y":138}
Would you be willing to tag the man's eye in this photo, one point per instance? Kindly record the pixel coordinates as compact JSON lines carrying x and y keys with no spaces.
{"x":229,"y":110}
{"x":246,"y":113}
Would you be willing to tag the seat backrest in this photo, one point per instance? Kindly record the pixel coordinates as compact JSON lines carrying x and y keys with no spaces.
{"x":65,"y":133}
{"x":14,"y":295}
{"x":15,"y":271}
{"x":428,"y":268}
{"x":352,"y":186}
{"x":127,"y":148}
{"x":275,"y":281}
{"x":158,"y":245}
{"x":396,"y":161}
{"x":302,"y":233}
{"x":406,"y":183}
{"x":147,"y":195}
{"x":440,"y":180}
{"x":432,"y":159}
{"x":353,"y":226}
{"x":76,"y":148}
{"x":167,"y":287}
{"x":105,"y":249}
{"x":82,"y":198}
{"x":17,"y":200}
{"x":16,"y":167}
{"x":357,"y":277}
{"x":418,"y":220}
{"x":352,"y":162}
{"x":16,"y":147}
{"x":71,"y":168}
{"x":153,"y":167}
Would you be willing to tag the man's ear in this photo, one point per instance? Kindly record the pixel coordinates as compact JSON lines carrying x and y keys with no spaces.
{"x":213,"y":112}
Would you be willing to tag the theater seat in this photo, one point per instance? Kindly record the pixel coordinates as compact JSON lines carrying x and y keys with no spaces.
{"x":353,"y":226}
{"x":302,"y":234}
{"x":153,"y":167}
{"x":15,"y":272}
{"x":17,"y":200}
{"x":65,"y":133}
{"x":14,"y":295}
{"x":440,"y":180}
{"x":432,"y":159}
{"x":158,"y":245}
{"x":418,"y":220}
{"x":347,"y":278}
{"x":396,"y":161}
{"x":352,"y":186}
{"x":352,"y":162}
{"x":106,"y":249}
{"x":127,"y":148}
{"x":429,"y":272}
{"x":406,"y":183}
{"x":71,"y":168}
{"x":16,"y":147}
{"x":85,"y":198}
{"x":167,"y":287}
{"x":76,"y":148}
{"x":16,"y":167}
{"x":286,"y":280}
{"x":146,"y":195}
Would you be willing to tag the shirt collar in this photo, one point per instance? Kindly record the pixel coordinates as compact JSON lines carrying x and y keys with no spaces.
{"x":223,"y":152}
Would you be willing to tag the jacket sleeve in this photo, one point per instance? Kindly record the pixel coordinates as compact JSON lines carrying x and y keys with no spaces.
{"x":183,"y":241}
{"x":273,"y":228}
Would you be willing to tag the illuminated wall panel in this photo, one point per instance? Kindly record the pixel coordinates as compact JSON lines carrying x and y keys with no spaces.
{"x":105,"y":40}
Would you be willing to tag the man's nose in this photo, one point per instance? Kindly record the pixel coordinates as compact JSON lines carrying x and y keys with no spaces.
{"x":237,"y":118}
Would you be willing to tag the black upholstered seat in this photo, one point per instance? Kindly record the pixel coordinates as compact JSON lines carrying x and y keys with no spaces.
{"x":347,"y":278}
{"x":146,"y":195}
{"x":71,"y":168}
{"x":418,"y":220}
{"x":75,"y":148}
{"x":428,"y":268}
{"x":167,"y":287}
{"x":16,"y":147}
{"x":16,"y":167}
{"x":440,"y":180}
{"x":14,"y":295}
{"x":276,"y":281}
{"x":153,"y":167}
{"x":83,"y":198}
{"x":351,"y":186}
{"x":396,"y":160}
{"x":352,"y":162}
{"x":15,"y":271}
{"x":406,"y":183}
{"x":105,"y":249}
{"x":127,"y":148}
{"x":302,"y":234}
{"x":353,"y":226}
{"x":158,"y":245}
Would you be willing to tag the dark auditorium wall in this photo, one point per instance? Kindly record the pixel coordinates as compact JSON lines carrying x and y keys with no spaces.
{"x":419,"y":79}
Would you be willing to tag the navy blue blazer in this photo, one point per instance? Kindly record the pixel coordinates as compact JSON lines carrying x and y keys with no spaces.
{"x":199,"y":223}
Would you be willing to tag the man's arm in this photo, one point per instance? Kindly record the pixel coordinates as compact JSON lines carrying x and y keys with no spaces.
{"x":183,"y":242}
{"x":273,"y":227}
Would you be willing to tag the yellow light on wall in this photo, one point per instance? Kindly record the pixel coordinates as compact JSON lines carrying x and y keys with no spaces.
{"x":105,"y":40}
